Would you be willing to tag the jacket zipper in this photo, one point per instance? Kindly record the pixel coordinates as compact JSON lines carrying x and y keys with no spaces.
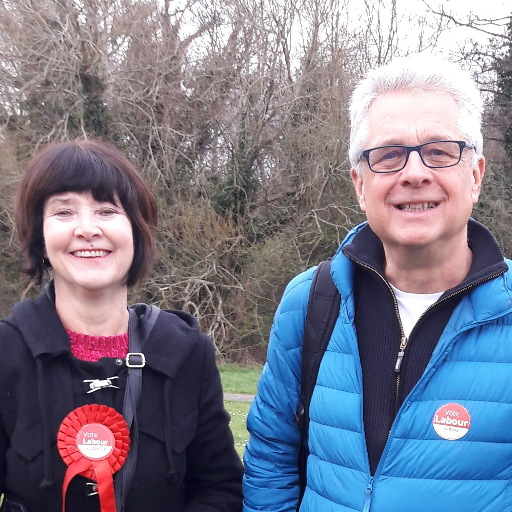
{"x":398,"y":364}
{"x":368,"y":496}
{"x":404,"y":340}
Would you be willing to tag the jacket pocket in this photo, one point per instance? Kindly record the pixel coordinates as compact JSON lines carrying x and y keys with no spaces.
{"x":181,"y":434}
{"x":27,"y":441}
{"x":184,"y":433}
{"x":153,"y":453}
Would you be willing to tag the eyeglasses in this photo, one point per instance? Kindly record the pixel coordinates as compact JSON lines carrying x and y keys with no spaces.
{"x":436,"y":155}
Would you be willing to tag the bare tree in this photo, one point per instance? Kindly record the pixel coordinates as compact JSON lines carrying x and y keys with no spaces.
{"x":235,"y":111}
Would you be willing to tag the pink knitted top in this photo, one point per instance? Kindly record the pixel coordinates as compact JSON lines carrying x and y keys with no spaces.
{"x":92,"y":348}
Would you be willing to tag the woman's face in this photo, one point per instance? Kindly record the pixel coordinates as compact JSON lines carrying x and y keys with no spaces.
{"x":89,"y":243}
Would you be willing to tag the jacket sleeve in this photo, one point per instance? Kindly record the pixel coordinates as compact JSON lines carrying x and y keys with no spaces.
{"x":271,"y":481}
{"x":7,"y":338}
{"x":213,"y":482}
{"x":4,"y":443}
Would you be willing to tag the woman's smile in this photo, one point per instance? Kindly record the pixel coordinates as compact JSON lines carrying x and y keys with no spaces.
{"x":95,"y":253}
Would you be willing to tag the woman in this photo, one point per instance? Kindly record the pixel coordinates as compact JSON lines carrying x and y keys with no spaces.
{"x":85,"y":215}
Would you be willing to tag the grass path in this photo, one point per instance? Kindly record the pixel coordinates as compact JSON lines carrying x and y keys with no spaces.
{"x":238,"y":381}
{"x":238,"y":412}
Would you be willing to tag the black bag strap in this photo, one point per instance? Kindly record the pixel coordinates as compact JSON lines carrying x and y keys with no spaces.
{"x":135,"y":361}
{"x":322,"y":313}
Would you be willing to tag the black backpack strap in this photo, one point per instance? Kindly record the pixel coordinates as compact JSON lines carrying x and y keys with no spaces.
{"x":135,"y":361}
{"x":322,"y":313}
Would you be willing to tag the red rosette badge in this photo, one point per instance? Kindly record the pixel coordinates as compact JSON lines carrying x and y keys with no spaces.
{"x":93,"y":440}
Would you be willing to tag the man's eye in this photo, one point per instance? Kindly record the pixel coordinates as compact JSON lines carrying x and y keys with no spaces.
{"x":390,"y":155}
{"x":436,"y":152}
{"x":386,"y":156}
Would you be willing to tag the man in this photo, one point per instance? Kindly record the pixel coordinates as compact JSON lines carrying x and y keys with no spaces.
{"x":412,"y":408}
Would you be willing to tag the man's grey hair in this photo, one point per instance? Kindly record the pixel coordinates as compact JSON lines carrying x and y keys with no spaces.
{"x":416,"y":73}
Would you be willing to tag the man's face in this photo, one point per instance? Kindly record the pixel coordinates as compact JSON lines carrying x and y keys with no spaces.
{"x":418,"y":207}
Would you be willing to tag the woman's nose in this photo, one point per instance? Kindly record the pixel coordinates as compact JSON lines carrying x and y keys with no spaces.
{"x":87,"y":226}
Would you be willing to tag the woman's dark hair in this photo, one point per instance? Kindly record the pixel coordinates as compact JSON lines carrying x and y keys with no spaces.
{"x":85,"y":165}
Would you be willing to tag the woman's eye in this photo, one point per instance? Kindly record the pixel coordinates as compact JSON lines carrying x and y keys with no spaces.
{"x":107,"y":212}
{"x":63,"y":213}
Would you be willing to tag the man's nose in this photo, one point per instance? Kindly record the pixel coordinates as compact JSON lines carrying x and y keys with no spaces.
{"x":415,"y":172}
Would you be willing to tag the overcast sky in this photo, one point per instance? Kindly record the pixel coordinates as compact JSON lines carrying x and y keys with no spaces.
{"x":461,"y":10}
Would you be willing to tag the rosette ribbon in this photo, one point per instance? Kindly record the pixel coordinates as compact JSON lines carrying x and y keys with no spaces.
{"x":93,"y":440}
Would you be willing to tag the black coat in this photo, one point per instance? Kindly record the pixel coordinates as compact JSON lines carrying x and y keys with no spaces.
{"x":186,"y":457}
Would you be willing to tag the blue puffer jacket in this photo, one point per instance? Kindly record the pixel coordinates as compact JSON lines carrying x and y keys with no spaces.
{"x":467,"y":467}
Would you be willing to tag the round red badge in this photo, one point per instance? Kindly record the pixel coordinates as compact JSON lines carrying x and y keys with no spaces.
{"x":451,"y":421}
{"x":94,"y":440}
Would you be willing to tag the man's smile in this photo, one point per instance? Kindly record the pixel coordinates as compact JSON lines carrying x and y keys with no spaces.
{"x":416,"y":207}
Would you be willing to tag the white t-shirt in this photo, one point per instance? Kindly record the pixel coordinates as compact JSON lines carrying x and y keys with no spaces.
{"x":412,"y":305}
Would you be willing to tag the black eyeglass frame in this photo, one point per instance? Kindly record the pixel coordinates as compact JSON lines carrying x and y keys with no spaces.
{"x":462,"y":145}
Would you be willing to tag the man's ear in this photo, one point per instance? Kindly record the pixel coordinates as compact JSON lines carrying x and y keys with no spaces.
{"x":477,"y":177}
{"x":359,"y":188}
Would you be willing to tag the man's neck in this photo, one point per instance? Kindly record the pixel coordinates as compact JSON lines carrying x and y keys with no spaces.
{"x":427,"y":271}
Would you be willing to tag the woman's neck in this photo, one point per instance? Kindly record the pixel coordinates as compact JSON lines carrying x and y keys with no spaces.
{"x":97,"y":313}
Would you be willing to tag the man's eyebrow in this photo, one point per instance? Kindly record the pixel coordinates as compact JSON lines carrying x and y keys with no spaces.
{"x":393,"y":142}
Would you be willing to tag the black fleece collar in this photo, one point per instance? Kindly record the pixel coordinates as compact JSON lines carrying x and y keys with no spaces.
{"x":366,"y":249}
{"x":172,"y":339}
